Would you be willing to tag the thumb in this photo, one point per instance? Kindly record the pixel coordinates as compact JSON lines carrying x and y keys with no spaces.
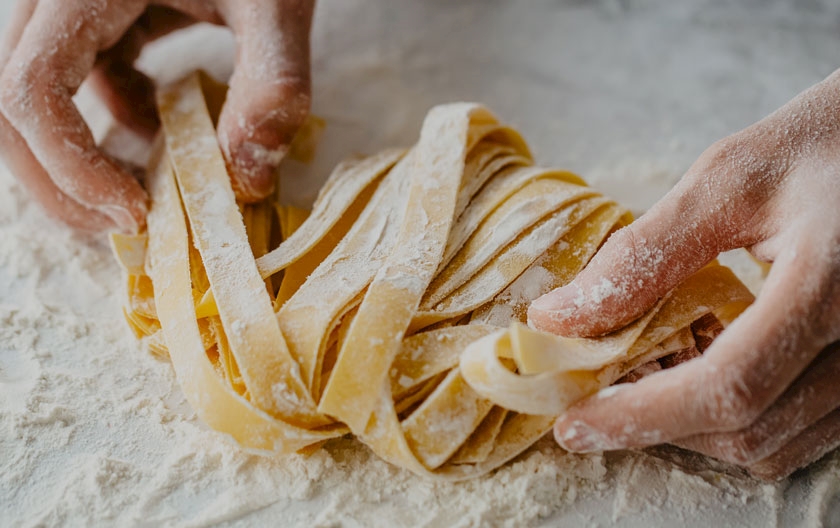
{"x":637,"y":265}
{"x":269,"y":92}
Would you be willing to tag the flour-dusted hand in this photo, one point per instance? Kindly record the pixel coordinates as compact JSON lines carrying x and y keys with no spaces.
{"x":765,"y":394}
{"x":51,"y":46}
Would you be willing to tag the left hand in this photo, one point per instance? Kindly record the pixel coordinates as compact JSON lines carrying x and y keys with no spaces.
{"x":51,"y":46}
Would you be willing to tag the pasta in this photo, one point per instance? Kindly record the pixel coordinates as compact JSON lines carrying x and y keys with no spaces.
{"x":394,"y":309}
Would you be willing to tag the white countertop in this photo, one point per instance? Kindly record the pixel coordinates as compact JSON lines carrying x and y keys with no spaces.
{"x":626,"y":93}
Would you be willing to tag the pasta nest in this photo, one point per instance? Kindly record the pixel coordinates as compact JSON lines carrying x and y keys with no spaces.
{"x":393,"y":309}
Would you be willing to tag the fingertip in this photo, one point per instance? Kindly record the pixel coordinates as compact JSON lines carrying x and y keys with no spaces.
{"x":255,"y":130}
{"x":622,"y":281}
{"x":134,"y":199}
{"x":126,"y":205}
{"x":129,"y":220}
{"x":622,"y":416}
{"x":577,"y":436}
{"x":270,"y":93}
{"x":552,"y":311}
{"x":559,"y":431}
{"x":253,"y":169}
{"x":574,"y":430}
{"x":563,"y":431}
{"x":583,"y":308}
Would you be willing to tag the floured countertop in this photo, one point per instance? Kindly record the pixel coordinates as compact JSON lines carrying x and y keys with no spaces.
{"x":94,"y":431}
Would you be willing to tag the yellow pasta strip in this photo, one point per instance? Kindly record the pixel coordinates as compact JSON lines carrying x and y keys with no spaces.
{"x":309,"y":316}
{"x":272,"y":377}
{"x":394,"y":297}
{"x":492,"y":195}
{"x":214,"y":403}
{"x":141,"y":296}
{"x":130,"y":251}
{"x":206,"y":307}
{"x":518,"y":213}
{"x":445,"y":420}
{"x":386,"y":311}
{"x":478,"y":446}
{"x":347,"y":182}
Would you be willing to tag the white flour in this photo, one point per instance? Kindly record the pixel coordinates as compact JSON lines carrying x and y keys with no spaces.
{"x":94,"y":431}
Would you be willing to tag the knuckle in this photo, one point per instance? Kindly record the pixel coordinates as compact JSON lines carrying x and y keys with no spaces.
{"x":750,"y":153}
{"x":16,"y":90}
{"x":754,"y":161}
{"x":731,"y":181}
{"x":719,"y":153}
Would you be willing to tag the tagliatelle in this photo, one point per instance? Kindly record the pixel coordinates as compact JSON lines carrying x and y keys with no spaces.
{"x":393,"y":310}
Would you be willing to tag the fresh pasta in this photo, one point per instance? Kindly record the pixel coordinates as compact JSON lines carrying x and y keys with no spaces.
{"x":393,"y":310}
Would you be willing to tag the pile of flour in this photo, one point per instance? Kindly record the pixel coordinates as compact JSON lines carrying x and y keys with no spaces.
{"x":94,"y":431}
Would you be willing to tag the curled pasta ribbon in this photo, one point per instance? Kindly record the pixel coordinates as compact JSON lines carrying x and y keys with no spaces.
{"x":386,"y":311}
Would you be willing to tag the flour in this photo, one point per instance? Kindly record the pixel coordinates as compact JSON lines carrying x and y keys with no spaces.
{"x":95,"y":431}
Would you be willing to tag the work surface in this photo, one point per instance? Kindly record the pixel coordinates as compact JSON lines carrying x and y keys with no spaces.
{"x":628,"y":94}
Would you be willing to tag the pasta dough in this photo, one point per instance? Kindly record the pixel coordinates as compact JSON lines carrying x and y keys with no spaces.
{"x":394,"y":310}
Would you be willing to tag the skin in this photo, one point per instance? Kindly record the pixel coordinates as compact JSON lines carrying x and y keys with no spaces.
{"x":764,"y":395}
{"x":52,"y":46}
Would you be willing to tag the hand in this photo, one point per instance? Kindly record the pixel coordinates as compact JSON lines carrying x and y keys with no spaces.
{"x":765,"y":394}
{"x":51,"y":46}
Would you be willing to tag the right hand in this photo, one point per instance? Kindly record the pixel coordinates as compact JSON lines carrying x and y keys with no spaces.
{"x":765,"y":393}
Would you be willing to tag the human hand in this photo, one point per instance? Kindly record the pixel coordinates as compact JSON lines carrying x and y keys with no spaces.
{"x":51,"y":46}
{"x":765,"y":394}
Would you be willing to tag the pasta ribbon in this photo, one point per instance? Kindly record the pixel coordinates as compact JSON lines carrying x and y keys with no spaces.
{"x":393,"y":310}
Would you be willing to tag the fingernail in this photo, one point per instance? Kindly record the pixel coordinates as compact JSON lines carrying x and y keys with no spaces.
{"x":122,"y":217}
{"x":609,"y":392}
{"x":254,"y":184}
{"x":255,"y":168}
{"x":559,"y":301}
{"x":546,"y":312}
{"x":578,"y":437}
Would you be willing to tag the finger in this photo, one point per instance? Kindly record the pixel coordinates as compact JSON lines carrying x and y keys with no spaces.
{"x":127,"y":92}
{"x":809,"y":446}
{"x":34,"y":178}
{"x":739,"y":376}
{"x":54,"y":54}
{"x":269,"y":91}
{"x":640,"y":263}
{"x":19,"y":158}
{"x":812,"y":396}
